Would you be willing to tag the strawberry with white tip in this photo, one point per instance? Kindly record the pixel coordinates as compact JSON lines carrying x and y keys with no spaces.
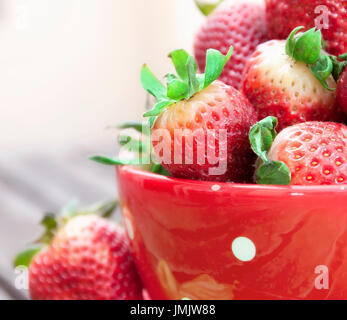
{"x":291,"y":80}
{"x":211,"y":119}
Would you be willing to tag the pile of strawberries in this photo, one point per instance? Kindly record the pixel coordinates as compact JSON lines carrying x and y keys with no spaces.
{"x":268,"y":68}
{"x":288,"y":75}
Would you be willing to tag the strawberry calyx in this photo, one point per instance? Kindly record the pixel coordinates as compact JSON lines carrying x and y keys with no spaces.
{"x":307,"y":47}
{"x":53,"y":222}
{"x":339,"y":65}
{"x":138,"y":146}
{"x":186,"y":83}
{"x":208,"y":6}
{"x":261,"y":136}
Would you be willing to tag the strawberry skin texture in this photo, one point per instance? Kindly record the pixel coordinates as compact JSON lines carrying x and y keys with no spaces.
{"x":218,"y":107}
{"x":276,"y":85}
{"x":89,"y":259}
{"x":342,"y":91}
{"x":282,"y":16}
{"x":315,"y":153}
{"x":242,"y":25}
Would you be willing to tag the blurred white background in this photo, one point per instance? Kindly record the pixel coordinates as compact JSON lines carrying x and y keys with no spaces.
{"x":69,"y":68}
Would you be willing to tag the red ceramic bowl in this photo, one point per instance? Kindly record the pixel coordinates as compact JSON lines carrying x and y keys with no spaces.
{"x":205,"y":240}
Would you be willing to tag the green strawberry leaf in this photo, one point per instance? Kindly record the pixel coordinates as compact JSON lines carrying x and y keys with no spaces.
{"x":176,"y":88}
{"x":215,"y":63}
{"x":262,"y":135}
{"x":151,"y":121}
{"x":290,"y":44}
{"x":193,"y":82}
{"x":323,"y":67}
{"x":308,"y":46}
{"x":131,"y":125}
{"x":305,"y":47}
{"x":338,"y":66}
{"x":158,"y":108}
{"x":208,"y":6}
{"x":103,"y":209}
{"x":25,"y":257}
{"x":274,"y":173}
{"x":179,"y":59}
{"x":113,"y":161}
{"x":343,"y":56}
{"x":158,"y":168}
{"x":152,"y":84}
{"x":132,"y":144}
{"x":322,"y":70}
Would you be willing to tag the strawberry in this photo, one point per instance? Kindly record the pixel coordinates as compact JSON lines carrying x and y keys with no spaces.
{"x":87,"y":257}
{"x":341,"y":94}
{"x":310,"y":153}
{"x":240,"y":23}
{"x":339,"y":116}
{"x":291,"y":80}
{"x":201,"y":125}
{"x":328,"y":15}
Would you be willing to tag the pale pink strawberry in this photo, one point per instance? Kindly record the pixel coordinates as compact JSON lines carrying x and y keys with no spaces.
{"x":239,"y":23}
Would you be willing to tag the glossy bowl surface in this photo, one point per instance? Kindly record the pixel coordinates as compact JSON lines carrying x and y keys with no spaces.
{"x":205,"y":240}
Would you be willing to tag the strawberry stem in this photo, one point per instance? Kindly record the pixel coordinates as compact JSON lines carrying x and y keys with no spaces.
{"x":261,"y":136}
{"x":338,"y":66}
{"x":187,"y":82}
{"x":322,"y":70}
{"x":307,"y":47}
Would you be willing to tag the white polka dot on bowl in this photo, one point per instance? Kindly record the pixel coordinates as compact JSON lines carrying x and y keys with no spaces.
{"x":215,"y":187}
{"x":243,"y":249}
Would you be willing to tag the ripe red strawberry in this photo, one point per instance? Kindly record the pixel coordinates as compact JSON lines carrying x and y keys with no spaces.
{"x":290,"y":80}
{"x":240,"y":23}
{"x":284,"y":15}
{"x":208,"y":117}
{"x":88,"y":258}
{"x":341,"y":94}
{"x":310,"y":153}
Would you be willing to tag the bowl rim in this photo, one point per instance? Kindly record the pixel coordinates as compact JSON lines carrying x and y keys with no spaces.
{"x":228,"y":185}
